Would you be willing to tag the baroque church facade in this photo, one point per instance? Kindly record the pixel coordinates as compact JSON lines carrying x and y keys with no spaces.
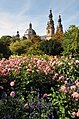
{"x":50,"y":29}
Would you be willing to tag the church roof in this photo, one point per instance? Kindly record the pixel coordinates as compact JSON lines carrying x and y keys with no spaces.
{"x":30,"y":31}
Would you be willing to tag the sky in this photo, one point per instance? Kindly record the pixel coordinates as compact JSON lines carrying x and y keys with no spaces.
{"x":15,"y":15}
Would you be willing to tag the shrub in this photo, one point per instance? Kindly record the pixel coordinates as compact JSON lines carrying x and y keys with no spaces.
{"x":51,"y":47}
{"x":39,"y":88}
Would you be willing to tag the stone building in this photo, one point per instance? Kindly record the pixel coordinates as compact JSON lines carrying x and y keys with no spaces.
{"x":50,"y":26}
{"x":59,"y":26}
{"x":29,"y":32}
{"x":50,"y":29}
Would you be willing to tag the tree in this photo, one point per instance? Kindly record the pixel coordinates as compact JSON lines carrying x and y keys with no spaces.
{"x":35,"y":39}
{"x":25,"y":46}
{"x":58,"y":37}
{"x":4,"y":46}
{"x":71,"y":41}
{"x":51,"y":47}
{"x":14,"y":39}
{"x":6,"y":40}
{"x":20,"y":47}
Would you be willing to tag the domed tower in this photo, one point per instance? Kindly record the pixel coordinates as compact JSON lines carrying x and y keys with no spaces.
{"x":59,"y":26}
{"x":17,"y":35}
{"x":29,"y":32}
{"x":50,"y":26}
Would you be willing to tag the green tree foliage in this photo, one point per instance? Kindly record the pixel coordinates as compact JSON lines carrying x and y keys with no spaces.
{"x":51,"y":47}
{"x":58,"y":37}
{"x":34,"y":49}
{"x":35,"y":39}
{"x":20,"y":47}
{"x":4,"y":46}
{"x":71,"y":41}
{"x":29,"y":46}
{"x":14,"y":39}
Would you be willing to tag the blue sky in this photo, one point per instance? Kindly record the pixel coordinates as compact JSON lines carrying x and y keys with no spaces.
{"x":17,"y":14}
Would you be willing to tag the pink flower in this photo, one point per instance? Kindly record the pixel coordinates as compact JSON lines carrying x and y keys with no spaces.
{"x":39,"y":62}
{"x":56,"y":74}
{"x":65,"y":82}
{"x":53,"y":63}
{"x":73,"y":87}
{"x":63,"y":88}
{"x":12,"y":83}
{"x":60,"y":78}
{"x":74,"y":114}
{"x":77,"y":84}
{"x":1,"y":87}
{"x":78,"y":113}
{"x":62,"y":57}
{"x":45,"y":95}
{"x":77,"y":61}
{"x":47,"y":68}
{"x":29,"y":70}
{"x":75,"y":95}
{"x":12,"y":94}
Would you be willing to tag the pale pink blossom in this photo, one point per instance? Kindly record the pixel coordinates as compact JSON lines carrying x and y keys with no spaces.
{"x":1,"y":87}
{"x":56,"y":74}
{"x":12,"y":94}
{"x":63,"y":88}
{"x":48,"y":69}
{"x":53,"y":78}
{"x":45,"y":72}
{"x":4,"y":71}
{"x":62,"y":57}
{"x":12,"y":83}
{"x":45,"y":95}
{"x":73,"y":87}
{"x":39,"y":62}
{"x":74,"y":114}
{"x":65,"y":82}
{"x":29,"y":70}
{"x":77,"y":84}
{"x":60,"y":78}
{"x":53,"y":63}
{"x":78,"y":113}
{"x":75,"y":95}
{"x":77,"y":61}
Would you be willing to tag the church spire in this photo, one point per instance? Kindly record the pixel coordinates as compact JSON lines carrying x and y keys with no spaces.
{"x":30,"y":25}
{"x":59,"y":20}
{"x":50,"y":26}
{"x":50,"y":15}
{"x":59,"y":26}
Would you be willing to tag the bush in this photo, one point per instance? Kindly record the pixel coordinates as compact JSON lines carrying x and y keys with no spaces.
{"x":51,"y":47}
{"x":71,"y":42}
{"x":39,"y":88}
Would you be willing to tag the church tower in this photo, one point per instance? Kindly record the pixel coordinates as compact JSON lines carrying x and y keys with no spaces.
{"x":59,"y":26}
{"x":50,"y":26}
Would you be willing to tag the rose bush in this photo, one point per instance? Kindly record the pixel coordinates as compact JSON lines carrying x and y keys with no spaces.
{"x":26,"y":82}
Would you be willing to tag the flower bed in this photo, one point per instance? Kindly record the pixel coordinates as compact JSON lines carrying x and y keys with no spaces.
{"x":39,"y":88}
